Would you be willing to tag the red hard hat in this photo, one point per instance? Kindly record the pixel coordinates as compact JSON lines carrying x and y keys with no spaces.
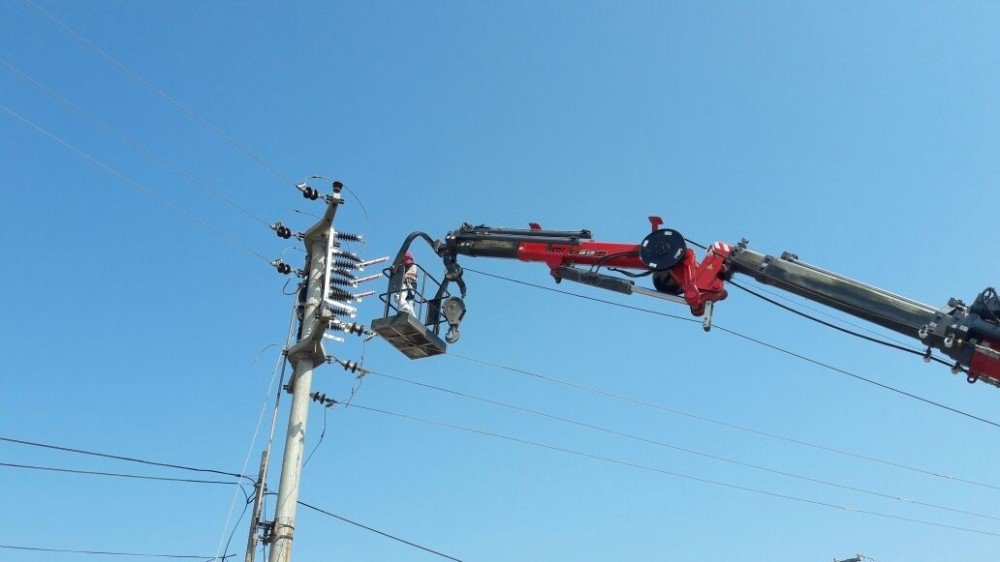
{"x":408,"y":258}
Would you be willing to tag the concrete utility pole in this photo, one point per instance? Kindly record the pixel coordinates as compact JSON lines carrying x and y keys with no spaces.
{"x":305,"y":355}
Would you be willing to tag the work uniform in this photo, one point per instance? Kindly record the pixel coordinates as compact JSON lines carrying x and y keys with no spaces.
{"x":407,"y":296}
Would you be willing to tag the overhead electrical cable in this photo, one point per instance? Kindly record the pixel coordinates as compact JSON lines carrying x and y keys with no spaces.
{"x":572,"y":294}
{"x":130,"y":141}
{"x":112,"y":474}
{"x":172,"y":101}
{"x":121,"y":457}
{"x":260,"y":419}
{"x":835,"y":317}
{"x":728,"y":425}
{"x":690,"y":477}
{"x":682,"y":449}
{"x":136,"y":185}
{"x":106,"y":552}
{"x":374,"y":530}
{"x":762,"y":343}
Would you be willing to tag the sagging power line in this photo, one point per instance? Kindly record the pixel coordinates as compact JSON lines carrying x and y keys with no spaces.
{"x":690,"y":477}
{"x":681,"y":449}
{"x":135,"y":185}
{"x":757,"y":341}
{"x":714,"y":421}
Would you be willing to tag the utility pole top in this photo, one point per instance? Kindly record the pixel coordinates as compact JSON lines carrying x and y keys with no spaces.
{"x":321,"y":300}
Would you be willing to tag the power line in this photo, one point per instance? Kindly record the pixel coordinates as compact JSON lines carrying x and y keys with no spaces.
{"x":839,"y":328}
{"x":121,"y":457}
{"x":689,"y":477}
{"x":253,"y":439}
{"x":572,"y":294}
{"x":374,"y":530}
{"x":764,"y":344}
{"x":681,"y":449}
{"x":130,"y":141}
{"x":112,"y":474}
{"x":107,"y":552}
{"x":135,"y":185}
{"x":706,"y":419}
{"x":135,"y":76}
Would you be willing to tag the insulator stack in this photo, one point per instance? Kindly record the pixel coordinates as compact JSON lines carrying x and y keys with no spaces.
{"x":282,"y":267}
{"x":349,"y":237}
{"x":344,"y":273}
{"x":344,"y":254}
{"x":342,"y":283}
{"x":281,"y":230}
{"x":346,"y":264}
{"x":340,"y":295}
{"x":308,"y":192}
{"x":341,"y":308}
{"x":350,"y":328}
{"x":351,"y":366}
{"x":321,"y":398}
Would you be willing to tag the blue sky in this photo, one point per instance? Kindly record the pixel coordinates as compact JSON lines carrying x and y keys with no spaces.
{"x":863,"y":137}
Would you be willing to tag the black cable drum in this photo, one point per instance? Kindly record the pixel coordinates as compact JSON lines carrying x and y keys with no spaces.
{"x":662,"y":249}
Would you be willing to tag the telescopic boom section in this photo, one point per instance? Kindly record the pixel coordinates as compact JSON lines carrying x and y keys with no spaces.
{"x":969,"y":335}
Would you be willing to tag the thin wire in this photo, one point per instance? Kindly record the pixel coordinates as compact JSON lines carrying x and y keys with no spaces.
{"x":762,"y":343}
{"x":681,"y":449}
{"x":121,"y":457}
{"x":132,"y":74}
{"x":374,"y":530}
{"x":822,"y":312}
{"x":112,"y":474}
{"x":135,"y":185}
{"x":729,"y":425}
{"x":105,"y":552}
{"x":603,"y":301}
{"x":690,"y":477}
{"x":235,"y":527}
{"x":274,"y":418}
{"x":319,"y":442}
{"x":130,"y":141}
{"x":859,"y":377}
{"x":253,"y":441}
{"x":838,"y":328}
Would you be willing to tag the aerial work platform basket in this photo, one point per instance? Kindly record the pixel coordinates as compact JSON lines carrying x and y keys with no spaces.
{"x":405,"y":331}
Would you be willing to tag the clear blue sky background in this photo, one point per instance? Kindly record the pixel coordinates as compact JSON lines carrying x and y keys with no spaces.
{"x":861,"y":136}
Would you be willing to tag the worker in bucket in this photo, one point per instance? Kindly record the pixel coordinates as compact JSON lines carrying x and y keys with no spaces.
{"x":408,"y":293}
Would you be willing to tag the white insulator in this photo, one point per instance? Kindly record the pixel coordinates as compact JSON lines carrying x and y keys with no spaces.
{"x":349,"y":255}
{"x":360,"y":296}
{"x":337,"y":339}
{"x":373,"y":262}
{"x":341,"y":308}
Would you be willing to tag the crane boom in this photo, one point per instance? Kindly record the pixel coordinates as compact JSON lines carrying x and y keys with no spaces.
{"x":968,"y":334}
